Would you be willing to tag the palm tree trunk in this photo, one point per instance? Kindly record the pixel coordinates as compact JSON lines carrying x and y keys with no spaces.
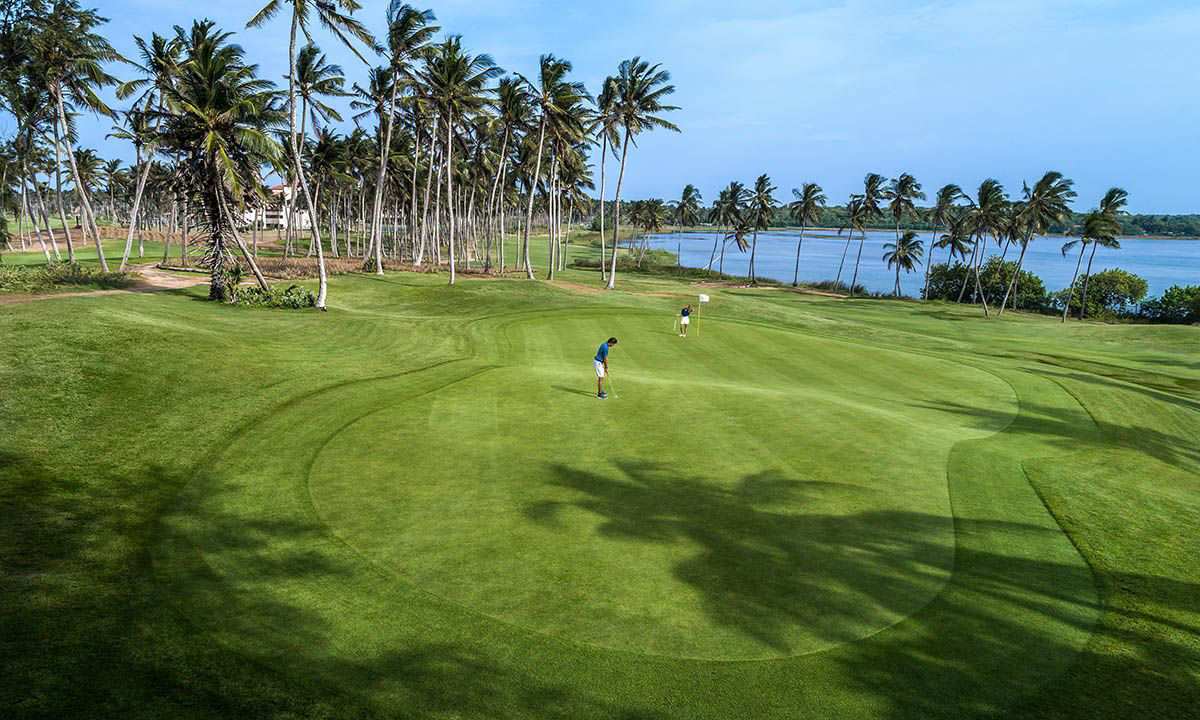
{"x":796,"y":271}
{"x":449,"y":190}
{"x":137,"y":202}
{"x":929,"y":261}
{"x":612,"y":273}
{"x":84,"y":202}
{"x":753,"y":247}
{"x":552,"y":218}
{"x":862,"y":239}
{"x":1071,"y":293}
{"x":377,"y":211}
{"x":37,"y":230}
{"x":967,"y":278}
{"x":62,"y":210}
{"x":322,"y":282}
{"x":1013,"y":282}
{"x":237,"y":238}
{"x":842,"y":264}
{"x":1087,"y":276}
{"x":537,"y":170}
{"x":37,"y":193}
{"x":487,"y":265}
{"x":603,"y":162}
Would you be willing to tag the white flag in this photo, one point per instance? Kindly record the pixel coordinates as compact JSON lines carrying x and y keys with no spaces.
{"x":703,"y":297}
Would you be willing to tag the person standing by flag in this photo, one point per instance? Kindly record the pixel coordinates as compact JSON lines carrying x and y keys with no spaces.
{"x":685,"y":318}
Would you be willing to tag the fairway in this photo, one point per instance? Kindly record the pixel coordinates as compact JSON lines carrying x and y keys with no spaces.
{"x":416,"y":505}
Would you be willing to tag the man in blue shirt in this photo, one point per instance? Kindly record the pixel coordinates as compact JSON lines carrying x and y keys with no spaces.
{"x":601,"y":365}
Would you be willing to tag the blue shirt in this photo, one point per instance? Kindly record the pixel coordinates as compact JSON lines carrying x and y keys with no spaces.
{"x":686,"y":312}
{"x":602,"y":353}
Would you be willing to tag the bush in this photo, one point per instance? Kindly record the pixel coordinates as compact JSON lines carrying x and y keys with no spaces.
{"x":1178,"y":304}
{"x":837,"y":287}
{"x":1110,"y":294}
{"x":47,"y":278}
{"x":946,"y":281}
{"x":293,"y":298}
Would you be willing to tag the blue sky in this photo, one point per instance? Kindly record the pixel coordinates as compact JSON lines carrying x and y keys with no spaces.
{"x":812,"y":90}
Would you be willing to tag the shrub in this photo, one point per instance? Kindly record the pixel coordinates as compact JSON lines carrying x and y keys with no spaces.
{"x":46,"y":278}
{"x":945,"y":282}
{"x":293,"y":298}
{"x":1178,"y":304}
{"x":1110,"y":294}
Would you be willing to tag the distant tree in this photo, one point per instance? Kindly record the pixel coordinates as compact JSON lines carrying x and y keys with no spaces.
{"x":760,"y":209}
{"x":940,"y":215}
{"x":1111,"y":207}
{"x":1048,"y":203}
{"x":904,"y":254}
{"x":805,"y":209}
{"x":1095,"y":227}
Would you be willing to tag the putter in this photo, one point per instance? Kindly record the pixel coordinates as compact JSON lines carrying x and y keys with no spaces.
{"x":613,"y":388}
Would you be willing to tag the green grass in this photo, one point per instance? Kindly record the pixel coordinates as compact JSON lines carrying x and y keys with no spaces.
{"x":412,"y":506}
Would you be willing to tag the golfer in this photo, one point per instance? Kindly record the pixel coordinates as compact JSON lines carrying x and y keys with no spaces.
{"x":685,"y":317}
{"x":601,"y":363}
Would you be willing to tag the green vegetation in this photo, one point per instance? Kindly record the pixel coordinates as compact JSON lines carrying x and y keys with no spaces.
{"x":414,"y":506}
{"x":58,"y":277}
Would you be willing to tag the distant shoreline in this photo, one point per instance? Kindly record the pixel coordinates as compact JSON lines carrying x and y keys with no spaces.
{"x":711,"y":229}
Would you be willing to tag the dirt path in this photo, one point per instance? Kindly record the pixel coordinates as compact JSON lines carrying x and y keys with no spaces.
{"x":149,"y":279}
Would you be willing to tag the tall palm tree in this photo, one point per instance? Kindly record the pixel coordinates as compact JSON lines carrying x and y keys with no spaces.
{"x":943,"y":209}
{"x":71,"y":58}
{"x":218,"y":119}
{"x":901,"y":193}
{"x":607,"y":128}
{"x":553,"y":94}
{"x":761,"y":210}
{"x":641,"y":89}
{"x":1097,"y":227}
{"x":805,"y":209}
{"x":986,"y":214}
{"x":159,"y":66}
{"x":728,"y":212}
{"x":409,"y":36}
{"x":904,"y":254}
{"x":873,"y":194}
{"x":334,"y":15}
{"x":1048,"y":203}
{"x":1111,"y":207}
{"x":512,"y":114}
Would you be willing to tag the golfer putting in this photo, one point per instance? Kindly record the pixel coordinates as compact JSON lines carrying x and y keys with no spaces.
{"x":601,"y":365}
{"x":685,"y":319}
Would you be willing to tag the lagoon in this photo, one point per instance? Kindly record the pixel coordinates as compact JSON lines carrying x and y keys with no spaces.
{"x":1163,"y":262}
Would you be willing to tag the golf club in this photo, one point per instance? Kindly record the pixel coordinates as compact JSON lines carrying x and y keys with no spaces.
{"x":613,"y":388}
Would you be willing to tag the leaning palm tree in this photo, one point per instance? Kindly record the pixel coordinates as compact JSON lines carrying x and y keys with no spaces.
{"x":728,"y":212}
{"x":1048,"y":203}
{"x":805,"y":209}
{"x":939,"y":216}
{"x":874,"y":192}
{"x":687,"y":213}
{"x":1097,"y":227}
{"x":901,"y":193}
{"x":70,"y":57}
{"x":1112,"y":207}
{"x":904,"y":254}
{"x":334,"y":15}
{"x":857,"y":217}
{"x":217,"y":119}
{"x":641,"y":89}
{"x":761,"y":210}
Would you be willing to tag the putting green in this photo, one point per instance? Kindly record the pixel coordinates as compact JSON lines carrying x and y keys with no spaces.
{"x":719,"y":509}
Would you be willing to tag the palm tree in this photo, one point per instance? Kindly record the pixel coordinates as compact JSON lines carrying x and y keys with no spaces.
{"x":1096,"y":227}
{"x":939,"y":216}
{"x":409,"y":35}
{"x":70,"y":57}
{"x":641,"y":88}
{"x":217,"y":119}
{"x":901,"y":193}
{"x":857,"y":217}
{"x":341,"y":24}
{"x":904,"y":254}
{"x":1048,"y":203}
{"x":805,"y":209}
{"x":687,"y":213}
{"x":457,"y":82}
{"x":607,"y":127}
{"x":986,"y":216}
{"x":873,"y":193}
{"x":761,"y":210}
{"x":727,"y":212}
{"x":1111,"y":207}
{"x":512,"y":113}
{"x":159,"y":66}
{"x":552,"y":95}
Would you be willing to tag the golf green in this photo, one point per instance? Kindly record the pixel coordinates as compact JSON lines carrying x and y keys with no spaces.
{"x":415,"y":506}
{"x":712,"y":510}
